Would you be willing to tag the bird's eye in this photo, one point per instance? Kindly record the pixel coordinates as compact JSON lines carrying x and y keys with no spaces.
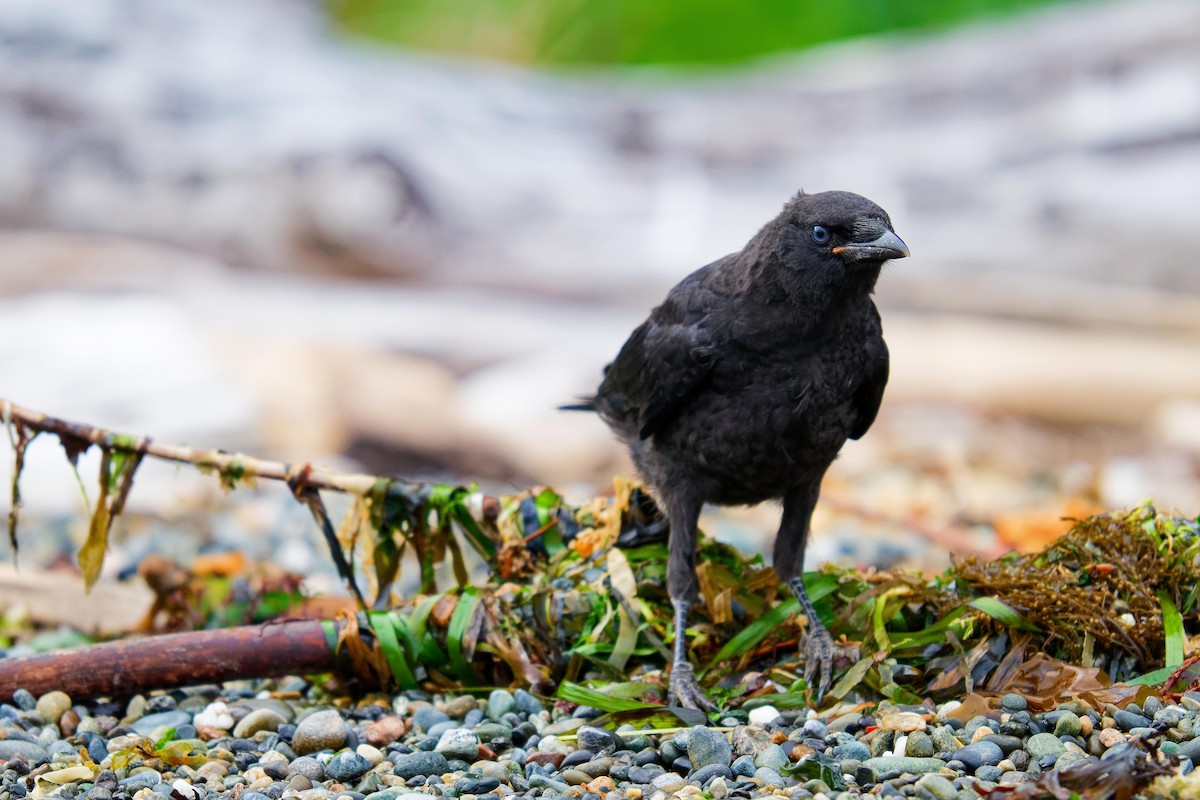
{"x":820,"y":235}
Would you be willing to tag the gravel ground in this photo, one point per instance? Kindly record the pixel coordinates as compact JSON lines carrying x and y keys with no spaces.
{"x":276,"y":740}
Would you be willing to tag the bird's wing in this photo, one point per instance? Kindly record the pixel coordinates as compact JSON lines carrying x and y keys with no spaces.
{"x":869,"y":394}
{"x":659,"y":369}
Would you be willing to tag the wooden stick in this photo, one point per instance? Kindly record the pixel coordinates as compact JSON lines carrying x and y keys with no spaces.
{"x":113,"y":669}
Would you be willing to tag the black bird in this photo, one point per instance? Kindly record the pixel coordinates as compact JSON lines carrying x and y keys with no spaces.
{"x":746,"y":382}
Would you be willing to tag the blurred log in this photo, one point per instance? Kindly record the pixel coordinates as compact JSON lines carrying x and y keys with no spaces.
{"x":58,"y":598}
{"x":290,"y":647}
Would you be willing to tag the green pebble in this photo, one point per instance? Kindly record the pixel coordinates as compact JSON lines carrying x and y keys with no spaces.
{"x":1067,"y":725}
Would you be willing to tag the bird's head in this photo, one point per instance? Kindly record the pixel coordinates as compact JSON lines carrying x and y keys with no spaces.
{"x":840,"y":229}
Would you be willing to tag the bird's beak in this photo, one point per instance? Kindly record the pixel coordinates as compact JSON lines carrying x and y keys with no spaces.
{"x":889,"y":245}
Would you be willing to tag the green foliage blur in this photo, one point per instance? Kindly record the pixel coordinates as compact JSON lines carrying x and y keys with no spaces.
{"x":691,"y":33}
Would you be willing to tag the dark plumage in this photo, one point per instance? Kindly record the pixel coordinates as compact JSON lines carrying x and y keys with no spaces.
{"x":746,"y":382}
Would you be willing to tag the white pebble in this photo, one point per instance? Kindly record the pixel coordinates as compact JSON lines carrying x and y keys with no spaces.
{"x":764,"y":714}
{"x":215,"y":715}
{"x":901,"y":745}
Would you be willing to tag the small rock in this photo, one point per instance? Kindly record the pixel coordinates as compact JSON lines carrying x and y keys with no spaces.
{"x":324,"y":730}
{"x":772,"y":757}
{"x":499,"y":703}
{"x":476,"y":786}
{"x":385,"y":730}
{"x":52,"y":705}
{"x":902,"y":721}
{"x":902,"y":765}
{"x":261,"y":719}
{"x":768,"y":777}
{"x":764,"y":715}
{"x":347,"y":766}
{"x":458,"y":743}
{"x":1013,"y":702}
{"x":703,"y":775}
{"x":1068,"y":725}
{"x":34,"y":753}
{"x":706,"y":746}
{"x":154,"y":724}
{"x":598,"y":740}
{"x":935,"y":787}
{"x":980,"y":754}
{"x":1041,"y":745}
{"x":920,"y":745}
{"x":1110,"y":738}
{"x":1127,"y":720}
{"x":421,"y":763}
{"x":214,"y":715}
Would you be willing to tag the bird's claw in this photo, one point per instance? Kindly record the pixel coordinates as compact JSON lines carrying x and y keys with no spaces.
{"x":818,"y":662}
{"x":685,"y":691}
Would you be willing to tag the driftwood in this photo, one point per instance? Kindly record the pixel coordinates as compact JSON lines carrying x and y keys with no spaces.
{"x":288,"y":647}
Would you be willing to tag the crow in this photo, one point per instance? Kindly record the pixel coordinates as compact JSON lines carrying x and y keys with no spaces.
{"x":743,"y":385}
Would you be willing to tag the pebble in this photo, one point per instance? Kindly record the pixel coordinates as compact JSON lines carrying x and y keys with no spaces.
{"x":415,"y":746}
{"x":411,"y":765}
{"x":706,"y":746}
{"x":260,"y":719}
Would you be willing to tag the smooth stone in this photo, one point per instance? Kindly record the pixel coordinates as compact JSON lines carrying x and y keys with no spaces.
{"x":598,"y":740}
{"x":944,"y":739}
{"x":1041,"y":745}
{"x":347,"y":766}
{"x":153,"y":723}
{"x":324,"y":730}
{"x":704,"y":774}
{"x":1067,"y":725}
{"x":140,"y":780}
{"x":852,"y":750}
{"x":920,"y":745}
{"x":576,"y":758}
{"x":706,"y":746}
{"x":987,"y":772}
{"x":768,"y":777}
{"x":410,"y":765}
{"x":901,"y":765}
{"x":743,"y":766}
{"x":52,"y":705}
{"x":499,"y":703}
{"x":24,"y":700}
{"x":1007,"y":744}
{"x":458,"y":743}
{"x":307,"y":766}
{"x":426,"y":717}
{"x":527,"y":704}
{"x":476,"y":785}
{"x":764,"y":715}
{"x":979,"y":754}
{"x":597,"y":766}
{"x":34,"y":753}
{"x":772,"y":757}
{"x":261,"y":719}
{"x":493,"y":731}
{"x":1127,"y":720}
{"x":668,"y":782}
{"x":546,"y":782}
{"x":1170,"y":717}
{"x":932,"y":786}
{"x":1189,"y":749}
{"x":214,"y":715}
{"x":1013,"y":702}
{"x":569,"y":725}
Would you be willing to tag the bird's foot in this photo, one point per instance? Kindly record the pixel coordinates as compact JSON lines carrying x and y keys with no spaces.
{"x":818,"y":661}
{"x":685,"y":691}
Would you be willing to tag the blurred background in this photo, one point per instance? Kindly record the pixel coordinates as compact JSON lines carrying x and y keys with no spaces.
{"x":393,"y":235}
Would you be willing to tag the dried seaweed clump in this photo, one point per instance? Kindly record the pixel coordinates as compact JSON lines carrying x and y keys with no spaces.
{"x":1101,"y":592}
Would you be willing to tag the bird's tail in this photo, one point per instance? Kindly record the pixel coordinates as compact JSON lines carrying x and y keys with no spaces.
{"x":584,"y":404}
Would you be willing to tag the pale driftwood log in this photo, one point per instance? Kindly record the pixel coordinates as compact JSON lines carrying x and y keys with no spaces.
{"x":1059,"y":142}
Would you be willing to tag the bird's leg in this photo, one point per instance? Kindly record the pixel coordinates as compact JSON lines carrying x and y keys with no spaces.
{"x":789,"y":564}
{"x":684,"y":514}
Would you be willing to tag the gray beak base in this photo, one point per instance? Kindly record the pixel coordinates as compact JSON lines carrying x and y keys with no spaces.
{"x":887,"y":246}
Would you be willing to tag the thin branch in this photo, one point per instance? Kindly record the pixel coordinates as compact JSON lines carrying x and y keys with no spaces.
{"x":236,"y":464}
